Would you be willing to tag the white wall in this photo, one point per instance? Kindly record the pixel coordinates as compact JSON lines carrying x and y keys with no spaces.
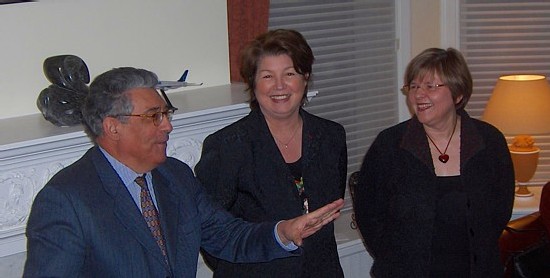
{"x":165,"y":37}
{"x":425,"y":22}
{"x":419,"y":28}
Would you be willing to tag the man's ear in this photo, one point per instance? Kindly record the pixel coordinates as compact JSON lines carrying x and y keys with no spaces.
{"x":110,"y":128}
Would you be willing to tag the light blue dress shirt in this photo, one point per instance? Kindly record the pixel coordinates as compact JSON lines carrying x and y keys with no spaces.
{"x":128,"y":177}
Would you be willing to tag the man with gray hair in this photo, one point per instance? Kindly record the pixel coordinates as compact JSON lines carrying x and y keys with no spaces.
{"x":125,"y":209}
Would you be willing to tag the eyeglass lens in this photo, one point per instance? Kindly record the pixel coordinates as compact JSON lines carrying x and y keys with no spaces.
{"x":425,"y":86}
{"x":160,"y":115}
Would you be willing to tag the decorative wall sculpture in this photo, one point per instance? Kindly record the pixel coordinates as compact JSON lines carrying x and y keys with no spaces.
{"x":61,"y":102}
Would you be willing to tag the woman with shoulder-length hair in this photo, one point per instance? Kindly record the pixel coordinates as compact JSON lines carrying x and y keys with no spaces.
{"x":279,"y":161}
{"x":435,"y":192}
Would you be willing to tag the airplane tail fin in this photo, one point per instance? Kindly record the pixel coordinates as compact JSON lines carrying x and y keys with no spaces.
{"x":183,"y":76}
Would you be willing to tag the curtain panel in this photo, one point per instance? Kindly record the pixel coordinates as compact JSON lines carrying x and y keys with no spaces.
{"x":245,"y":20}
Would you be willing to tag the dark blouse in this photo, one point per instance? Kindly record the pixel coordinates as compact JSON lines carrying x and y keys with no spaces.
{"x":450,"y":258}
{"x":296,"y":168}
{"x":296,"y":171}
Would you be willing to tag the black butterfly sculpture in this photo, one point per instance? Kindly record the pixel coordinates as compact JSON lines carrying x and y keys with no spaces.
{"x":61,"y":102}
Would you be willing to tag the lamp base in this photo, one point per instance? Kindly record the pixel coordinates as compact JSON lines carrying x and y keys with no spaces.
{"x":523,"y":191}
{"x":525,"y":163}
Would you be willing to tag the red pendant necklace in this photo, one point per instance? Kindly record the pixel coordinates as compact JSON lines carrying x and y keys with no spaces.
{"x":443,"y":156}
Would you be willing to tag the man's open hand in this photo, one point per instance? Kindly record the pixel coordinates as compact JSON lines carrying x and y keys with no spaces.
{"x":298,"y":228}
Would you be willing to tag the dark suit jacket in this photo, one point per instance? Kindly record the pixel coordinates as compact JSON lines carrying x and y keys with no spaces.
{"x":395,"y":198}
{"x":243,"y":169}
{"x":84,"y":223}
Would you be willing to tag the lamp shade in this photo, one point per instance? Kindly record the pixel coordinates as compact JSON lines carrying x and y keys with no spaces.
{"x":520,"y":104}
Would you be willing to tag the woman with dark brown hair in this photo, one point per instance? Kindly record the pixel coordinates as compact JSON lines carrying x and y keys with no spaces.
{"x":279,"y":161}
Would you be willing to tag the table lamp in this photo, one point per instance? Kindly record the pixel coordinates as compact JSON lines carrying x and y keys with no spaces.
{"x":520,"y":106}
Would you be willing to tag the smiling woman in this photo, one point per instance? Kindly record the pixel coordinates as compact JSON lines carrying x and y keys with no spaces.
{"x":279,"y":160}
{"x":440,"y":172}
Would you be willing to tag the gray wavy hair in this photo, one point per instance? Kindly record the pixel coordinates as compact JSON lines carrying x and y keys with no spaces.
{"x":108,"y":98}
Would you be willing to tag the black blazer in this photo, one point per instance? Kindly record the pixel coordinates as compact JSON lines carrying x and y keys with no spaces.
{"x":242,"y":168}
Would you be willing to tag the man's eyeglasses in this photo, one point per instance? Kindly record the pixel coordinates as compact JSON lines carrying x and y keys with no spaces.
{"x":426,"y":86}
{"x":157,"y":117}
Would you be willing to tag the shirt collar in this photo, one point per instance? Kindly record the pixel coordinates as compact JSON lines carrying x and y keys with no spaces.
{"x":126,"y":174}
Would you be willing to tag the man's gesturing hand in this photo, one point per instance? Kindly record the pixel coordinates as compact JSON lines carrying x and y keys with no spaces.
{"x":298,"y":228}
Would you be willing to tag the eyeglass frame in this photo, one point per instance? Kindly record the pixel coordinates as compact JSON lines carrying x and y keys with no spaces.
{"x":157,"y":117}
{"x":426,"y":86}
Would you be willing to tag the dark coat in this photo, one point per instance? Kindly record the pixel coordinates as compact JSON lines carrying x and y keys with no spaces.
{"x":395,"y":198}
{"x":243,"y":169}
{"x":84,"y":223}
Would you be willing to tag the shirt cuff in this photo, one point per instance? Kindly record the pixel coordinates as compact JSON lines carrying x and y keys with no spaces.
{"x":289,"y":247}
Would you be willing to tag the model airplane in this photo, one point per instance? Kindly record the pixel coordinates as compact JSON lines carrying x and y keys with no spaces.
{"x":167,"y":85}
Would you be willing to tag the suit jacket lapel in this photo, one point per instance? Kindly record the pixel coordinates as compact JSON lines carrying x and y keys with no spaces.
{"x":265,"y":146}
{"x":125,"y":208}
{"x":168,"y":213}
{"x":264,"y":139}
{"x":311,"y":138}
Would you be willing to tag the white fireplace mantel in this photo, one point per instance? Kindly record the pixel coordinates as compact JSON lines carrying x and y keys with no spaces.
{"x":32,"y":150}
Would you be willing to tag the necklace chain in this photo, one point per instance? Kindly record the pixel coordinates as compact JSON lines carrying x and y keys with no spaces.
{"x":291,"y":137}
{"x":443,"y":156}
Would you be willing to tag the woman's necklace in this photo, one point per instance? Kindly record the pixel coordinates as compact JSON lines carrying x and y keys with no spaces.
{"x":443,"y":156}
{"x":291,"y":137}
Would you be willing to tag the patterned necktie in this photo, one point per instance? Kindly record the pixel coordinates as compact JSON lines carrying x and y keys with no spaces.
{"x":150,"y":213}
